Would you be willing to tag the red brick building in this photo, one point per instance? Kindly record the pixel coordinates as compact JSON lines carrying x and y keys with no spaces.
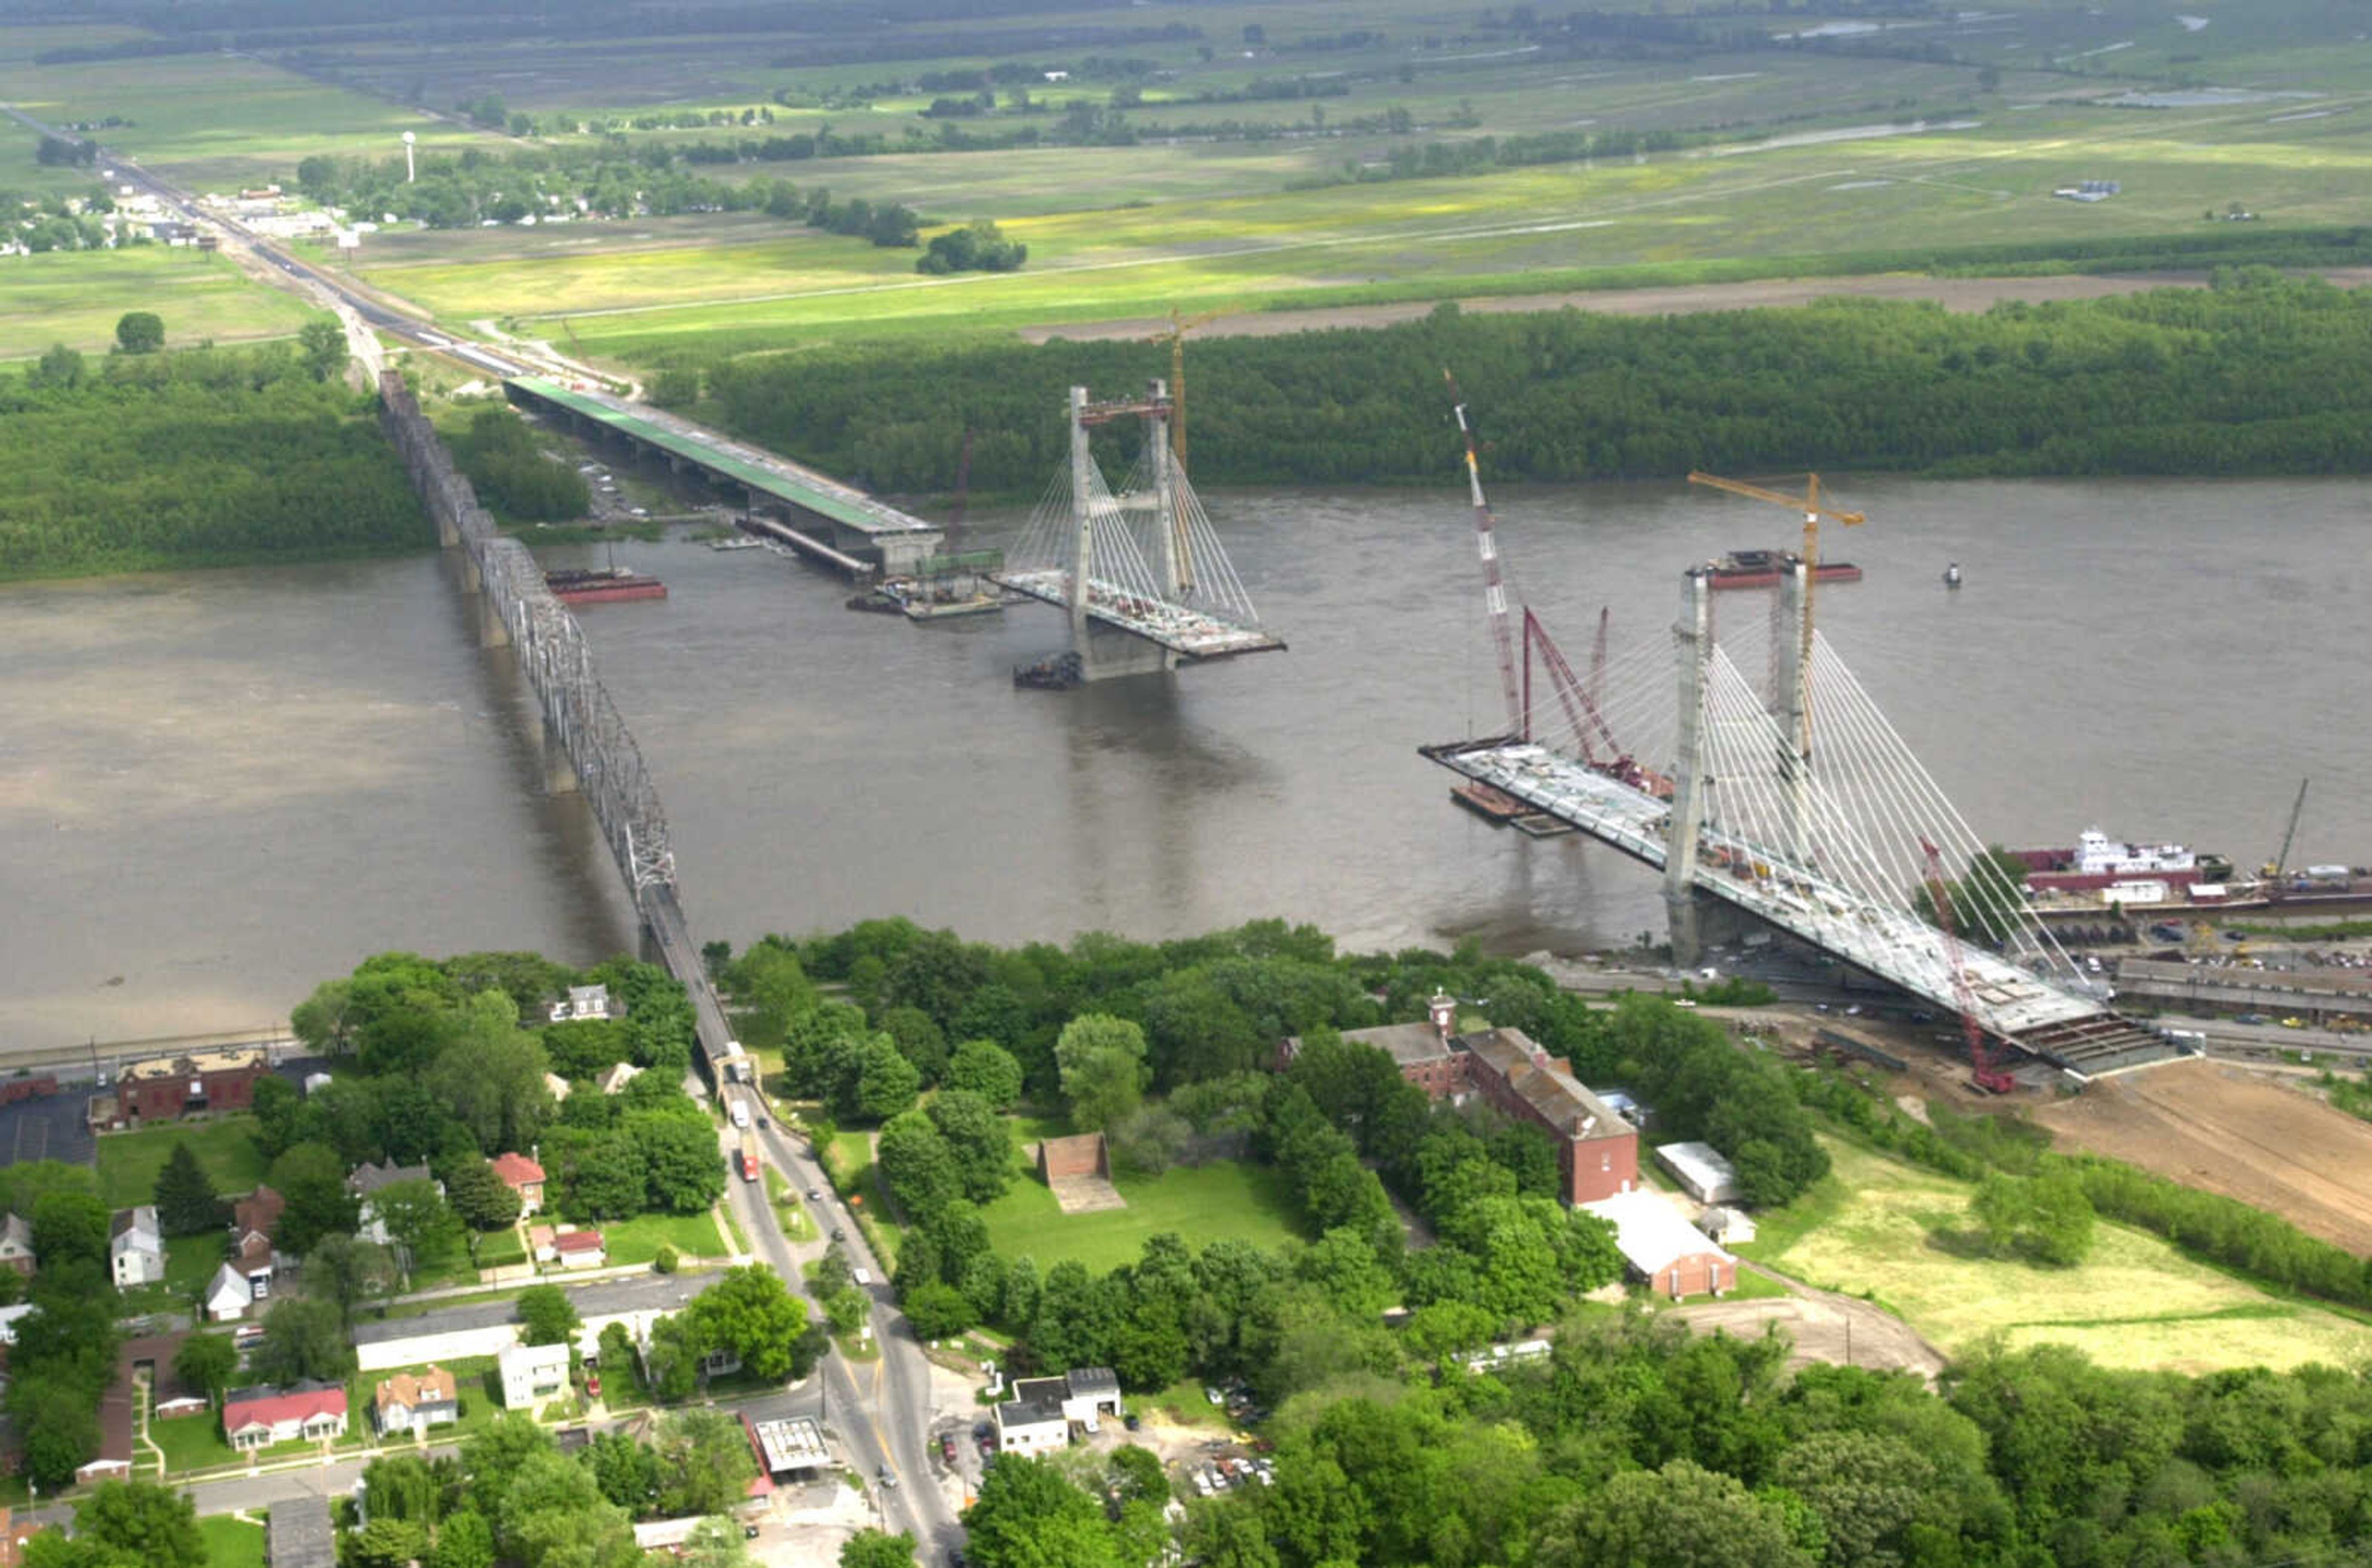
{"x":1598,"y":1150}
{"x":166,"y":1089}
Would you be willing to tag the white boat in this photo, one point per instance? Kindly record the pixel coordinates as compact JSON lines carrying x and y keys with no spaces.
{"x":1952,"y":576}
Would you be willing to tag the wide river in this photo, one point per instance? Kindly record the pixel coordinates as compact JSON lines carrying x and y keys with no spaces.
{"x":218,"y":788}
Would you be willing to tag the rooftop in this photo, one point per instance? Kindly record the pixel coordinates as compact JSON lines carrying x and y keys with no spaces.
{"x":297,"y":1535}
{"x":1650,"y":1232}
{"x":605,"y":1298}
{"x":1554,"y":1093}
{"x":269,"y":1405}
{"x":195,"y":1062}
{"x":1700,"y":1163}
{"x":791,"y":1443}
{"x":515,"y":1169}
{"x":368,"y":1179}
{"x":579,"y":1241}
{"x":1407,"y":1044}
{"x":434,"y":1387}
{"x":259,"y":1211}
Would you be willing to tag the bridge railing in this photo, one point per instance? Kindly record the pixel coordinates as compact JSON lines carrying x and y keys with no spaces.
{"x":576,"y":708}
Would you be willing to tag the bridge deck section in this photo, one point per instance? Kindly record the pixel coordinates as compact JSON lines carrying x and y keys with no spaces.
{"x":760,"y":471}
{"x":2075,"y":1030}
{"x":1190,"y":633}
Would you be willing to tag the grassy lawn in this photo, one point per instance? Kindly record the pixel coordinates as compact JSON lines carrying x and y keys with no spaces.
{"x":231,"y":1542}
{"x":638,"y":1241}
{"x":1204,"y":1204}
{"x":1183,"y":1403}
{"x":128,"y":1162}
{"x":475,"y":1298}
{"x":1892,"y":1231}
{"x":496,"y":1248}
{"x":192,"y":1443}
{"x":849,"y":1162}
{"x":76,"y":296}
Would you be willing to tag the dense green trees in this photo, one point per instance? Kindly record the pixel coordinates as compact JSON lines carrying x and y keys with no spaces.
{"x":198,"y":457}
{"x":186,"y":1204}
{"x":2261,"y":375}
{"x":2045,"y":1218}
{"x":511,"y":473}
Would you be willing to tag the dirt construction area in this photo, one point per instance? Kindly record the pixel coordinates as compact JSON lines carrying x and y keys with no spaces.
{"x":1824,"y":1327}
{"x":2226,"y":1130}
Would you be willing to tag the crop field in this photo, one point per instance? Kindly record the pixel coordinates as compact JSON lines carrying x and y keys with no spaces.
{"x":1898,"y":1234}
{"x":1801,"y":161}
{"x":1793,"y":208}
{"x":210,"y":120}
{"x":76,"y":296}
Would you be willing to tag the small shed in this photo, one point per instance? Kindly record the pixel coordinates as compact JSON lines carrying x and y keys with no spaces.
{"x":1701,"y":1170}
{"x":1731,"y":1228}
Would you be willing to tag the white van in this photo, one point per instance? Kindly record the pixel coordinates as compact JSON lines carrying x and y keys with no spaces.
{"x":740,"y":1112}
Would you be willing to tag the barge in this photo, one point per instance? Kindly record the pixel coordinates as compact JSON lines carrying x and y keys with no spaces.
{"x":607,"y":584}
{"x":1766,"y":568}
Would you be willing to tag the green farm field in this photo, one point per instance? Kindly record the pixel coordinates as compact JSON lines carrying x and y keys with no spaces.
{"x":211,"y":120}
{"x":1750,"y":210}
{"x":1886,"y":1229}
{"x":75,"y":297}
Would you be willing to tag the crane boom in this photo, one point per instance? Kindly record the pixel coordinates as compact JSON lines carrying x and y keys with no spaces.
{"x":2276,"y":868}
{"x":1495,"y":587}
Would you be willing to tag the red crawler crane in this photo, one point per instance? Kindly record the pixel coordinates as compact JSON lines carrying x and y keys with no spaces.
{"x":1987,"y":1073}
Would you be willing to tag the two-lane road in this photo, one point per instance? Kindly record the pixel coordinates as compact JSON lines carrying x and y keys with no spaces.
{"x":881,"y":1409}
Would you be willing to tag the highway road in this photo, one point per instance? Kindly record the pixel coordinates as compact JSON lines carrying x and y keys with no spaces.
{"x":881,"y":1409}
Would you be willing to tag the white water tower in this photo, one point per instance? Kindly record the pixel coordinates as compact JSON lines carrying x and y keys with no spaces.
{"x":409,"y":173}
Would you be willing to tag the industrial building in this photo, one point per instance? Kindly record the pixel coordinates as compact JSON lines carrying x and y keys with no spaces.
{"x":1701,"y":1170}
{"x":1672,"y":1256}
{"x":1040,"y":1416}
{"x":166,"y":1089}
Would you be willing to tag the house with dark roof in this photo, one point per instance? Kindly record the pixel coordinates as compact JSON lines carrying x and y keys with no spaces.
{"x":261,"y":1416}
{"x":368,"y":1180}
{"x":1040,"y":1416}
{"x":298,"y":1535}
{"x":254,"y":1219}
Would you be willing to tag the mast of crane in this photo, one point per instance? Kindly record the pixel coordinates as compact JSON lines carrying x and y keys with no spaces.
{"x":1495,"y":587}
{"x":1988,"y":1076}
{"x":1809,"y":504}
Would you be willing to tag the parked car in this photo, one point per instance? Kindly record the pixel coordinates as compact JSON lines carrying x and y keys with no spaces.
{"x":889,"y":1481}
{"x":1129,"y":1419}
{"x":838,"y":1234}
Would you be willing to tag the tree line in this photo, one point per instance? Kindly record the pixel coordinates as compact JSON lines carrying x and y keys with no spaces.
{"x":205,"y":457}
{"x":2259,"y":374}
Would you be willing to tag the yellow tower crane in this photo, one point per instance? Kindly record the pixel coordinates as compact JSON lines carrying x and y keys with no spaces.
{"x":1182,"y":539}
{"x":1176,"y":337}
{"x":1809,"y":504}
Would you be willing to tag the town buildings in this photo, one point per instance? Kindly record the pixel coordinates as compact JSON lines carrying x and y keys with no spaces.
{"x":531,"y":1374}
{"x":1040,"y":1416}
{"x":136,"y":1247}
{"x":524,"y":1176}
{"x":1672,"y":1256}
{"x":263,"y":1415}
{"x":405,"y":1405}
{"x":166,"y":1089}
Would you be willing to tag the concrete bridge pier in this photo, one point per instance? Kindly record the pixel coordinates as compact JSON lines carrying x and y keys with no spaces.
{"x":559,"y":774}
{"x":1108,"y":653}
{"x":493,"y":631}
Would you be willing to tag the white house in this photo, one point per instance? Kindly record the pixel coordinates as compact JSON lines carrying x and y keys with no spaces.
{"x":408,"y":1405}
{"x":585,"y":1002}
{"x":228,"y":1294}
{"x":16,"y":1244}
{"x":531,"y":1374}
{"x":136,"y":1247}
{"x":615,"y":1080}
{"x":259,"y":1417}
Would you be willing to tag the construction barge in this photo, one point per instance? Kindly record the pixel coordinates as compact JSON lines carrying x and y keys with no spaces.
{"x":601,"y":585}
